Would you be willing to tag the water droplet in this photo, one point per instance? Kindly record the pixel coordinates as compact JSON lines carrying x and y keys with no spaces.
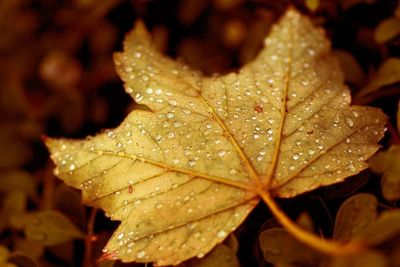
{"x":311,"y":152}
{"x":120,"y":236}
{"x":256,"y":136}
{"x":351,"y":167}
{"x":138,"y":98}
{"x":72,"y":167}
{"x":140,"y":254}
{"x":170,"y":115}
{"x":270,"y":131}
{"x":186,"y":111}
{"x":170,"y":135}
{"x":158,"y":91}
{"x":149,"y":91}
{"x":349,"y":122}
{"x":172,"y":102}
{"x":221,"y":233}
{"x":355,"y":113}
{"x":221,"y":152}
{"x":296,"y":156}
{"x":129,"y":90}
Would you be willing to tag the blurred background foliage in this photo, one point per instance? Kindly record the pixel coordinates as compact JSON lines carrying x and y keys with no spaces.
{"x":58,"y":79}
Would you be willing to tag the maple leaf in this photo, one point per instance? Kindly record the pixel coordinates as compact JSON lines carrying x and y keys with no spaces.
{"x":184,"y":175}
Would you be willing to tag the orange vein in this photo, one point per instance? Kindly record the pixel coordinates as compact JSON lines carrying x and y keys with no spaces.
{"x":253,"y":175}
{"x":217,"y":179}
{"x":271,"y":168}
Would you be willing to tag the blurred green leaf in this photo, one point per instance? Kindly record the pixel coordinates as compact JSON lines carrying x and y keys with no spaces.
{"x":281,"y":249}
{"x":68,"y":201}
{"x":366,"y":259}
{"x":18,"y":180}
{"x":106,"y":263}
{"x":387,"y":29}
{"x":305,"y":221}
{"x":221,"y":256}
{"x":22,"y":260}
{"x":387,"y":162}
{"x":346,"y":4}
{"x":4,"y":253}
{"x":354,"y":216}
{"x":48,"y":227}
{"x":352,"y":70}
{"x":312,"y":5}
{"x":14,"y":204}
{"x":232,"y":242}
{"x":398,"y":117}
{"x":30,"y":248}
{"x":15,"y":151}
{"x":385,"y":227}
{"x":387,"y":74}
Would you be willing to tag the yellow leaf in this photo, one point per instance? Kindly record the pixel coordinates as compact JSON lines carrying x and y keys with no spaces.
{"x":184,"y":175}
{"x":387,"y":29}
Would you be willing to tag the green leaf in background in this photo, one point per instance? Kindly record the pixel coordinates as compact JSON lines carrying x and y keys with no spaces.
{"x":221,"y":256}
{"x":384,"y":228}
{"x":387,"y":30}
{"x":281,"y":249}
{"x":14,"y":204}
{"x":387,"y":162}
{"x":19,"y":180}
{"x":48,"y":227}
{"x":366,"y":259}
{"x":4,"y":253}
{"x":354,"y":216}
{"x":30,"y":248}
{"x":387,"y":74}
{"x":352,"y":70}
{"x":232,"y":242}
{"x":22,"y":260}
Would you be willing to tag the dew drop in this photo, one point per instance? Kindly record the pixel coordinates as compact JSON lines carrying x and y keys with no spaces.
{"x":149,"y":91}
{"x":221,"y":152}
{"x":296,"y":156}
{"x":140,"y":254}
{"x":170,"y":135}
{"x":186,"y":111}
{"x":355,"y":113}
{"x":138,"y":98}
{"x":72,"y":167}
{"x":349,"y":122}
{"x":221,"y":233}
{"x":311,"y":152}
{"x":120,"y":236}
{"x":170,"y":115}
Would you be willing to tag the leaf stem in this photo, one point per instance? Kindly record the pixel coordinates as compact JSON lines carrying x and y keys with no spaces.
{"x":89,"y":238}
{"x":326,"y":246}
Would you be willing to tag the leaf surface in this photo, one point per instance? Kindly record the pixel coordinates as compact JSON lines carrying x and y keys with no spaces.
{"x":185,"y":174}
